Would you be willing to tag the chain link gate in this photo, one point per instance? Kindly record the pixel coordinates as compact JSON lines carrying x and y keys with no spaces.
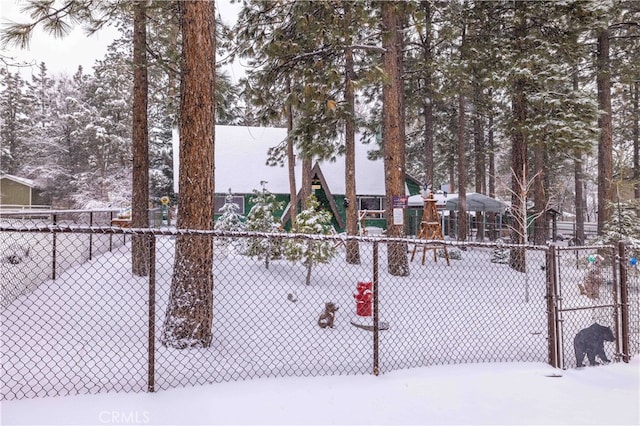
{"x":588,"y":307}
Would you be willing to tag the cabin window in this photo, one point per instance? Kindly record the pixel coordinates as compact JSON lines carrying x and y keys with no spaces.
{"x":371,"y":203}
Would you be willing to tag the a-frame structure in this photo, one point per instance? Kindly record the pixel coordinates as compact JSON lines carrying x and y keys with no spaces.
{"x":318,"y":176}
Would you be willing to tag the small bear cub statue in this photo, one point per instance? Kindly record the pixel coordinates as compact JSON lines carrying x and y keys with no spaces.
{"x":328,"y":316}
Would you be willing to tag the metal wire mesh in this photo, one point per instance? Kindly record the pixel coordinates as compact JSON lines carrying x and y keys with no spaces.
{"x":98,"y":326}
{"x":472,"y":310}
{"x":633,"y":281}
{"x":588,"y":295}
{"x":48,"y":254}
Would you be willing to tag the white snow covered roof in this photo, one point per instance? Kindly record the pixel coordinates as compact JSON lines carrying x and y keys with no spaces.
{"x":240,"y":163}
{"x":24,"y":181}
{"x":475,"y":202}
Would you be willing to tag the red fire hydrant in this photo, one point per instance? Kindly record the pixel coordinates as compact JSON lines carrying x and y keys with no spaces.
{"x":364,"y":299}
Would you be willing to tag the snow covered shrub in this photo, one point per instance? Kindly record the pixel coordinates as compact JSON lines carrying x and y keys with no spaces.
{"x":454,"y":253}
{"x":261,"y":218}
{"x":314,"y":221}
{"x":230,"y":220}
{"x":624,"y":225}
{"x":500,"y":256}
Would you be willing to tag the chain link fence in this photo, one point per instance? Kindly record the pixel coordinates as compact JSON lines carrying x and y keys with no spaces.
{"x":99,"y":327}
{"x":48,"y":253}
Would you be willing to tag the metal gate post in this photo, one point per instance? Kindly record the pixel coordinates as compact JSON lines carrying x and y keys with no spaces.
{"x":376,"y":341}
{"x":54,"y":247}
{"x":624,"y":301}
{"x":110,"y":233}
{"x":151,"y":382}
{"x":552,"y":308}
{"x":90,"y":236}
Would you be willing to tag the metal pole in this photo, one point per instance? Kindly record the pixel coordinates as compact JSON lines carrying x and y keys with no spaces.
{"x":90,"y":236}
{"x":615,"y":297}
{"x":152,"y":313}
{"x":110,"y":234}
{"x":53,"y":266}
{"x":376,"y":341}
{"x":551,"y":307}
{"x":624,"y":302}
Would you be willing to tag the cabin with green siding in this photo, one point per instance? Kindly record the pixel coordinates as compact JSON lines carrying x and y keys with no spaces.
{"x":241,"y":164}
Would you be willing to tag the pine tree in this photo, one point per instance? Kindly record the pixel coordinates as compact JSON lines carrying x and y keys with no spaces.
{"x":393,"y":129}
{"x":261,"y":218}
{"x":103,"y":131}
{"x":230,"y":220}
{"x":623,"y":225}
{"x":313,"y":221}
{"x":14,"y":124}
{"x":140,"y":141}
{"x":189,"y":315}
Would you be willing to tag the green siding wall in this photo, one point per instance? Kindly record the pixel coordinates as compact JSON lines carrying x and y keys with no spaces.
{"x":414,"y":188}
{"x":12,"y":192}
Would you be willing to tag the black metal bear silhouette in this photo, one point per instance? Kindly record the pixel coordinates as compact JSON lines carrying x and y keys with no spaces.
{"x":590,"y":342}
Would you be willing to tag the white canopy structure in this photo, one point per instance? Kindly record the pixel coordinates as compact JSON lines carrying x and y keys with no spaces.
{"x":476,"y":202}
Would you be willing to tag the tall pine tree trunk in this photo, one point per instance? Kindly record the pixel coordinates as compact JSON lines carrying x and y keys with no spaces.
{"x":461,"y":149}
{"x":580,"y":201}
{"x":479,"y":151}
{"x":291,"y":163}
{"x":140,"y":142}
{"x":393,"y":141}
{"x":352,"y":247}
{"x":636,"y":141}
{"x":491,"y":158}
{"x":578,"y":177}
{"x":190,"y":309}
{"x":462,"y":170}
{"x":519,"y":148}
{"x":427,"y":103}
{"x":305,"y":185}
{"x":540,"y":228}
{"x":605,"y":145}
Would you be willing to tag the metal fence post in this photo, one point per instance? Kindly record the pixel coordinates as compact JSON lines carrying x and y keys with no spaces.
{"x":90,"y":236}
{"x":53,"y":260}
{"x":152,"y":314}
{"x":110,"y":233}
{"x":376,"y":341}
{"x":552,"y":313}
{"x":624,"y":301}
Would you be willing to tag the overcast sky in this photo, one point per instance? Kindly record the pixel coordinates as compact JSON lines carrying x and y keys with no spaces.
{"x":65,"y":55}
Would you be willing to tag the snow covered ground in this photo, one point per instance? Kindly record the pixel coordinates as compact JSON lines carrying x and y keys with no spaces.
{"x":481,"y":394}
{"x":86,"y":333}
{"x":70,"y":250}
